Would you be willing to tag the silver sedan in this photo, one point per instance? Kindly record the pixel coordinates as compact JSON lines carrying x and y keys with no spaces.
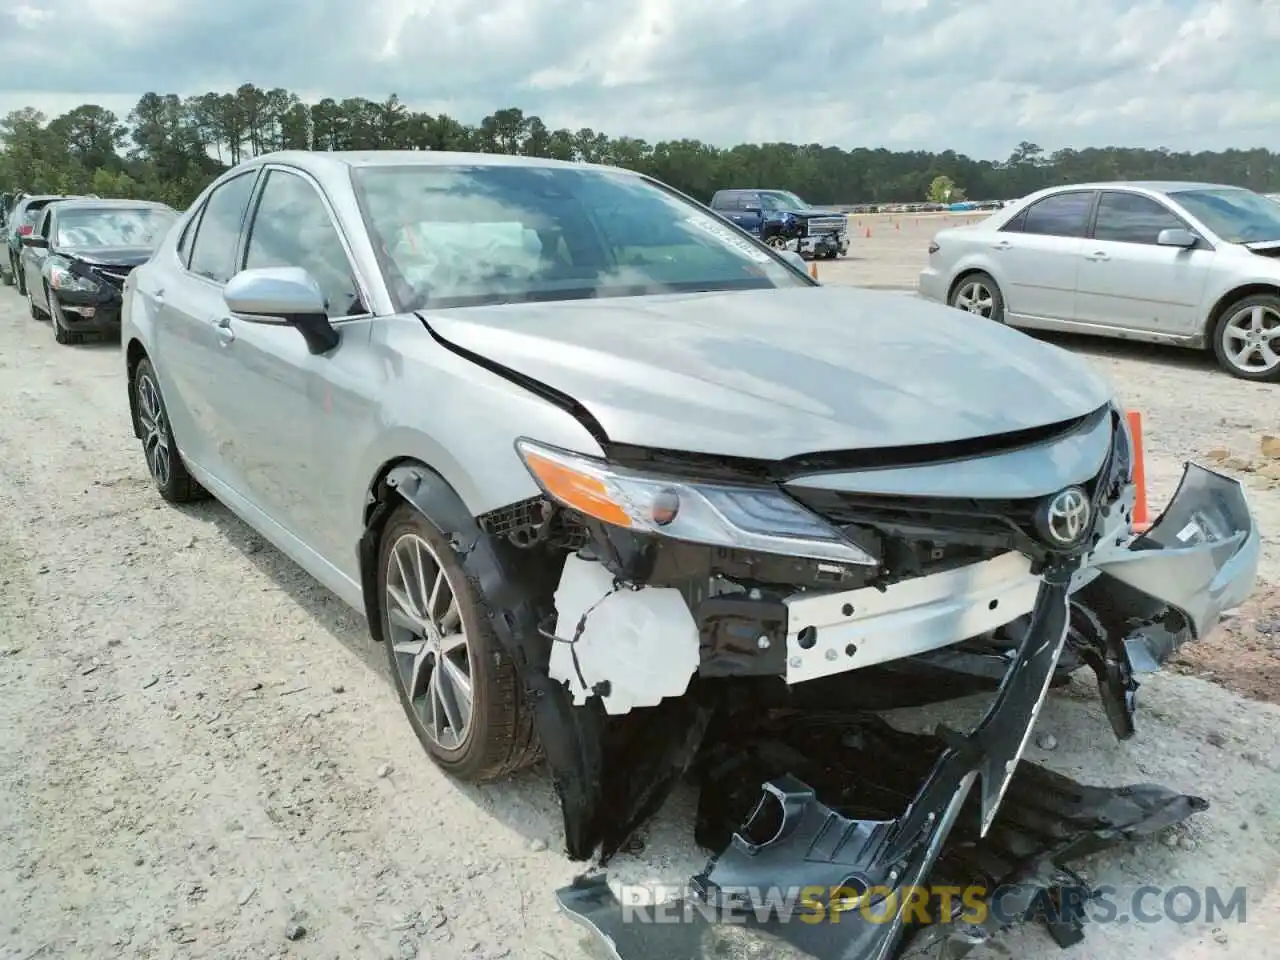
{"x":1191,"y":264}
{"x":578,"y":447}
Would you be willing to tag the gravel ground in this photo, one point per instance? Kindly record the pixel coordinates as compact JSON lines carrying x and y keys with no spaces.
{"x":202,"y":757}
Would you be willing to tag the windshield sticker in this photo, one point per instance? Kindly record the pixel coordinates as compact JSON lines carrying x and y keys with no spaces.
{"x":727,"y":236}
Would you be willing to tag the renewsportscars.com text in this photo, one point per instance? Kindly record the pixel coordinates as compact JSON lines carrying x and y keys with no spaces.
{"x":938,"y":904}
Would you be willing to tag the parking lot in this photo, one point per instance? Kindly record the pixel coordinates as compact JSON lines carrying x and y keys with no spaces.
{"x":202,"y":756}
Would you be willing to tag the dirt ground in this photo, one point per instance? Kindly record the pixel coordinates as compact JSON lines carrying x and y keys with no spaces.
{"x":201,"y":755}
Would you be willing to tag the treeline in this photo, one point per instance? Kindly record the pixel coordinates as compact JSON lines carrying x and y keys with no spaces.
{"x":169,"y":147}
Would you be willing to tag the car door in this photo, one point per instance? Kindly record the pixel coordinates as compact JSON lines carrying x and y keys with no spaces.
{"x":1128,"y":281}
{"x":190,"y":336}
{"x":731,"y":209}
{"x":1036,"y":256}
{"x":750,"y":212}
{"x":33,"y":259}
{"x":290,"y":450}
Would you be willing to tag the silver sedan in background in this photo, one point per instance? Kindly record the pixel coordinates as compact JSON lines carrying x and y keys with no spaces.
{"x":1191,"y":264}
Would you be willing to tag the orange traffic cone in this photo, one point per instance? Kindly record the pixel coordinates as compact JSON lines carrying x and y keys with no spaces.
{"x":1141,"y":519}
{"x":813,"y":269}
{"x":868,"y":233}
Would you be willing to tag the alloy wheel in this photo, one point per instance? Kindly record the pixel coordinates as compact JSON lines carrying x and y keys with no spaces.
{"x":1251,"y":339}
{"x":155,"y":430}
{"x":777,"y":242}
{"x":429,"y":640}
{"x":974,"y":297}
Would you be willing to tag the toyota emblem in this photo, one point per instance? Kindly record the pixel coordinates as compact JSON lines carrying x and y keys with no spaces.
{"x":1066,"y":518}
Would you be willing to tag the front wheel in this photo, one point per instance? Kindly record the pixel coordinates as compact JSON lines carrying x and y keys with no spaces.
{"x":164,"y":463}
{"x":458,"y":686}
{"x":1246,"y":339}
{"x":36,"y":312}
{"x":61,"y":333}
{"x":979,"y":294}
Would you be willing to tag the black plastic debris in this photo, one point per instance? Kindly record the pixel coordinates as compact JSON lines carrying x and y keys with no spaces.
{"x":818,"y":765}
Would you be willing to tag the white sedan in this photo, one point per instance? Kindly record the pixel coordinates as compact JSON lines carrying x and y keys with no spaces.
{"x":1191,"y":264}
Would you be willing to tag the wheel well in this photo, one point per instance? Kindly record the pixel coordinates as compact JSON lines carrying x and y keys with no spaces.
{"x":379,"y":493}
{"x":960,"y":278}
{"x":134,"y":354}
{"x":1230,"y":297}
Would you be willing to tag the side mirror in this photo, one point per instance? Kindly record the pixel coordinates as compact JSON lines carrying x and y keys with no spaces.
{"x":794,"y":259}
{"x":288,"y":295}
{"x":1177,"y":237}
{"x":32,"y":240}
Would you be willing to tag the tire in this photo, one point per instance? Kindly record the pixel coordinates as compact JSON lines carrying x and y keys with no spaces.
{"x":19,"y":279}
{"x":36,"y":312}
{"x":8,"y":275}
{"x":1235,"y":326}
{"x":967,"y":295}
{"x":497,"y":737}
{"x":174,"y":482}
{"x":61,"y":334}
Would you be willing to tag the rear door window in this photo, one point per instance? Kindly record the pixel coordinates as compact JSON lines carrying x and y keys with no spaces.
{"x":1061,"y":215}
{"x":213,"y":251}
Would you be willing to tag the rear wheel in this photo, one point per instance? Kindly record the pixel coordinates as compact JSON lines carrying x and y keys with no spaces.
{"x":7,"y":273}
{"x":1246,"y":339}
{"x":979,"y":294}
{"x":458,"y":686}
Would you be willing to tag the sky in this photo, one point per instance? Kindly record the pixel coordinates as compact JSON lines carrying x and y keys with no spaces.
{"x":975,"y":76}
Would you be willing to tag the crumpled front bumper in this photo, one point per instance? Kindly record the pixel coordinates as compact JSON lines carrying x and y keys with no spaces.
{"x":1168,"y":586}
{"x":1148,"y":596}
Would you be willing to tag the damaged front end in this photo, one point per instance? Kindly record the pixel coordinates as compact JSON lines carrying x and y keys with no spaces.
{"x":695,"y":579}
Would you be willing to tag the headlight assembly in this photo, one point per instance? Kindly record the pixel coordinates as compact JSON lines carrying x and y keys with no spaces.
{"x":60,"y":278}
{"x":722,"y":515}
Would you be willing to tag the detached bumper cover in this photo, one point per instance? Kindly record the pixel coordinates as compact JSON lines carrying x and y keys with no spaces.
{"x":1019,"y":872}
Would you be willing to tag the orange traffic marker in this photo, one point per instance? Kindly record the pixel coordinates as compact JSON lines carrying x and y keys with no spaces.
{"x":868,"y":233}
{"x":897,"y":226}
{"x":1141,"y":519}
{"x":813,"y":269}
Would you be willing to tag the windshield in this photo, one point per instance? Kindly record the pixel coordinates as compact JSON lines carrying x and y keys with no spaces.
{"x":1237,"y":216}
{"x":783,"y":200}
{"x":118,"y":227}
{"x":463,"y":236}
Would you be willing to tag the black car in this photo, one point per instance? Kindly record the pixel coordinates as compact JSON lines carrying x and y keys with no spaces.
{"x":74,"y":264}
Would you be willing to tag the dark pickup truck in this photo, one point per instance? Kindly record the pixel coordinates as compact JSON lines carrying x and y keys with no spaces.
{"x":783,"y":220}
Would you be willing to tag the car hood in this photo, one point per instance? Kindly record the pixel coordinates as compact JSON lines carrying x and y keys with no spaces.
{"x":772,"y":374}
{"x":109,"y":256}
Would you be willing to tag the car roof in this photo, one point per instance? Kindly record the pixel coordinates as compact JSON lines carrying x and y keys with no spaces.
{"x":1154,"y":186}
{"x":327,"y":163}
{"x":100,"y":204}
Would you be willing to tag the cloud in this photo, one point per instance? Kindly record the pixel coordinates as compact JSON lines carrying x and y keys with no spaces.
{"x":976,"y":76}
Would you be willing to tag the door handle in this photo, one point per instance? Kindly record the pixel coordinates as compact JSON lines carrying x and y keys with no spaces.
{"x":1002,"y":245}
{"x":1097,"y":255}
{"x":224,"y":330}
